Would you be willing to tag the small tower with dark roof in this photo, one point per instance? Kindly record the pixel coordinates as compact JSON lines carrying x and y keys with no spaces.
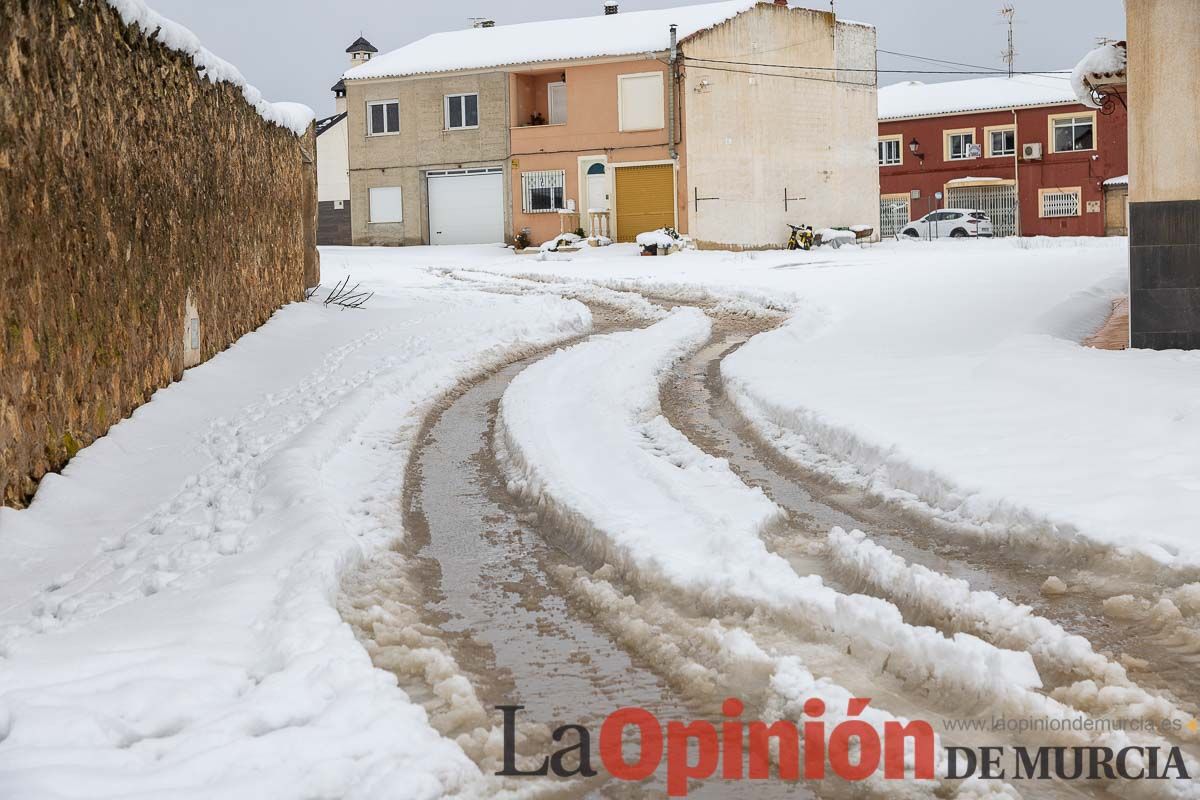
{"x":361,"y":51}
{"x":339,"y":96}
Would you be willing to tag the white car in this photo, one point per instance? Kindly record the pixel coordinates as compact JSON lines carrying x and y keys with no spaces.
{"x":957,"y":223}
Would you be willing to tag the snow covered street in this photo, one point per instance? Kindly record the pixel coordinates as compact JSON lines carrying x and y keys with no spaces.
{"x":580,"y":481}
{"x":168,"y":603}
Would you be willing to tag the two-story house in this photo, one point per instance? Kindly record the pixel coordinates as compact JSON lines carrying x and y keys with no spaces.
{"x":1022,"y":148}
{"x":723,"y":120}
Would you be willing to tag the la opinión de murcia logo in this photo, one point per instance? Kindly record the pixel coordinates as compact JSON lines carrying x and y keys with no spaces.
{"x":853,"y":750}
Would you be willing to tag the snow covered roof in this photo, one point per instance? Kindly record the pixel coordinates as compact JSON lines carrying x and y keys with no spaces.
{"x":551,"y":40}
{"x":916,"y":99}
{"x":1120,"y":180}
{"x":327,"y":123}
{"x":292,"y":116}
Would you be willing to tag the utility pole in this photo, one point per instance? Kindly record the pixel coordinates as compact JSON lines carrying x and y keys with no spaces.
{"x":672,"y":87}
{"x":1010,"y":55}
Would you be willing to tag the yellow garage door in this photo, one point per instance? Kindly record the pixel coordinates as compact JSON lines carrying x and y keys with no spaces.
{"x":645,"y":199}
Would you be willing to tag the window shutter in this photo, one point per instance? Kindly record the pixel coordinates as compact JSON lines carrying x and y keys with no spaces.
{"x":557,"y":95}
{"x":387,"y":204}
{"x":641,"y":101}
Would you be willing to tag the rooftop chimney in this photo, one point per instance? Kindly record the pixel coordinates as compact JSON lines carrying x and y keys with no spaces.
{"x":361,"y":51}
{"x":610,"y":7}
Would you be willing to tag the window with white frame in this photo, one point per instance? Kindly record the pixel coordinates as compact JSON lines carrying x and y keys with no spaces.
{"x":1060,"y":202}
{"x":1002,"y":142}
{"x":383,"y":117}
{"x":462,"y":111}
{"x":958,"y":145}
{"x":542,"y":191}
{"x":640,"y":105}
{"x":1074,"y":133}
{"x":387,"y":204}
{"x":889,"y":152}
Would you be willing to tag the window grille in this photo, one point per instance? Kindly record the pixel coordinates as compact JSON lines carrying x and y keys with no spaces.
{"x":543,"y":190}
{"x":1060,"y":204}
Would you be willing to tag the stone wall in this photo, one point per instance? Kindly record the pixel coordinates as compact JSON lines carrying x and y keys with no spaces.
{"x":128,"y":185}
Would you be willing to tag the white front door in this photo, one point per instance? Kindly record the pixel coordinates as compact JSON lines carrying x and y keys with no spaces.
{"x":597,"y":187}
{"x":466,"y":206}
{"x":597,"y":192}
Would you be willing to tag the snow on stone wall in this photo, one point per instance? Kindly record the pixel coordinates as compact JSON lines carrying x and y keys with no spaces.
{"x":127,"y":181}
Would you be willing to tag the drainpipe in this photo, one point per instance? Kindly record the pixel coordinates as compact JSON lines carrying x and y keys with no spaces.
{"x":1016,"y":176}
{"x":672,"y":79}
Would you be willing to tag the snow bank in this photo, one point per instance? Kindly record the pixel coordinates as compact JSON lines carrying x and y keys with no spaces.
{"x":960,"y":396}
{"x":168,"y":610}
{"x":1107,"y":60}
{"x":292,"y":116}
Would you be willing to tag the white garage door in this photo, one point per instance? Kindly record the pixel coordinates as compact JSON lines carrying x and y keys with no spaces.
{"x":466,"y":206}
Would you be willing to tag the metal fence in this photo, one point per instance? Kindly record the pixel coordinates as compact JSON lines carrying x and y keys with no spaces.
{"x":998,"y":202}
{"x":893,"y":216}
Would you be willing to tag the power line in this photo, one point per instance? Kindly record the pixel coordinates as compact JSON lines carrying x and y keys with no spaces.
{"x":932,"y":60}
{"x":778,"y":75}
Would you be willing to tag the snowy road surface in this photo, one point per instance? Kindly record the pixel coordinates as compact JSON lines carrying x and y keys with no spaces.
{"x":663,"y":513}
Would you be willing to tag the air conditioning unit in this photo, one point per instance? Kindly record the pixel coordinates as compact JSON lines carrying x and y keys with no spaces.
{"x":1032,"y":152}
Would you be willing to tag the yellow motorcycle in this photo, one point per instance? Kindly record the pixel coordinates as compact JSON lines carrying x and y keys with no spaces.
{"x":802,"y":237}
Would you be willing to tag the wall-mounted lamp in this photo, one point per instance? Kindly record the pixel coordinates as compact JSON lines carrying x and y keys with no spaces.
{"x":913,"y":147}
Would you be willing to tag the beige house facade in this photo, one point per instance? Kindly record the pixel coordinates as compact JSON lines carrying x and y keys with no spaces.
{"x":777,"y":145}
{"x":694,"y":118}
{"x":421,"y":143}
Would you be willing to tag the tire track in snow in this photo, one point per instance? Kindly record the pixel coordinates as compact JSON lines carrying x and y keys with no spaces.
{"x":1053,"y":708}
{"x":1156,"y":631}
{"x":692,"y":401}
{"x":717,"y":492}
{"x":466,"y":613}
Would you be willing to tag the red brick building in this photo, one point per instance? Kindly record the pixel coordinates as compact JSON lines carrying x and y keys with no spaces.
{"x":1013,"y":147}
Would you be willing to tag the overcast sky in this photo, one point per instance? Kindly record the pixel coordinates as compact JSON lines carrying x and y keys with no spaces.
{"x":295,"y":49}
